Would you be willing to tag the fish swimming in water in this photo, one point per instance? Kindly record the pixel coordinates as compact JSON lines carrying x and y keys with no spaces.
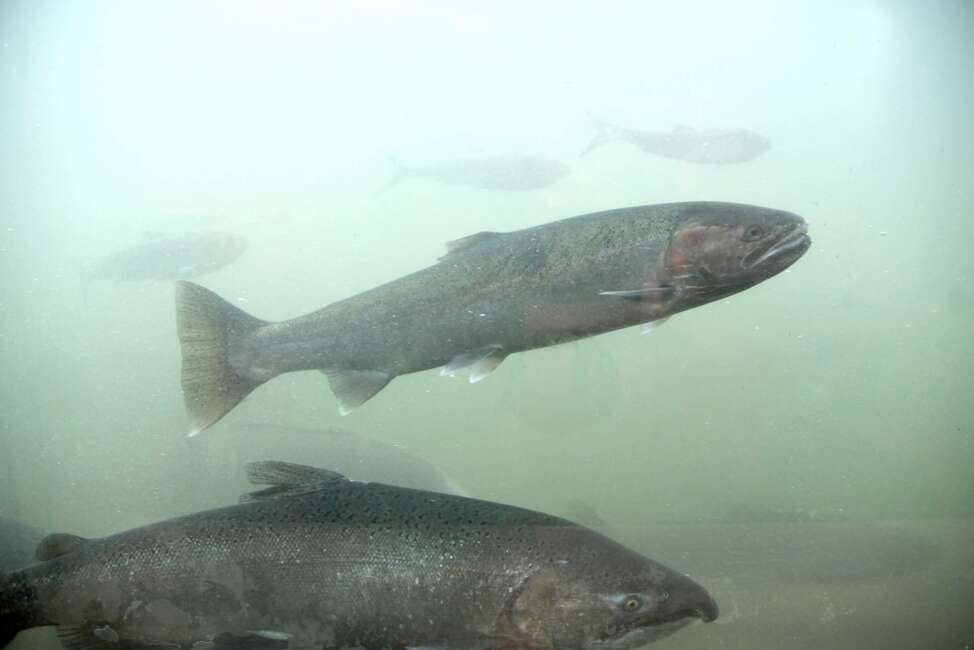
{"x":509,"y":173}
{"x":168,"y":258}
{"x":355,"y":455}
{"x":491,"y":295}
{"x":700,"y":146}
{"x":17,"y":543}
{"x":318,"y":561}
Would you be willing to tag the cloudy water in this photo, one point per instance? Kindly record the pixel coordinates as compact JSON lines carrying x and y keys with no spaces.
{"x":798,"y":440}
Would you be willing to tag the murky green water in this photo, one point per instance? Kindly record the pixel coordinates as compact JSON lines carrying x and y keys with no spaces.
{"x":835,"y":394}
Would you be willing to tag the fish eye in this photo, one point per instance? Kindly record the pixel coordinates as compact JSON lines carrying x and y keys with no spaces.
{"x":753,"y":233}
{"x":632,"y":603}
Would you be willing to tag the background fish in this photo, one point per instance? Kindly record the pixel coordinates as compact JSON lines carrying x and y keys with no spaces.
{"x":514,"y":173}
{"x":318,"y":561}
{"x":17,"y":544}
{"x":702,"y":146}
{"x":492,"y":294}
{"x":168,"y":258}
{"x":357,"y":456}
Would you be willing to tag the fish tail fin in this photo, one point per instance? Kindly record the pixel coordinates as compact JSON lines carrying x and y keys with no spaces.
{"x":604,"y":133}
{"x":398,"y":173}
{"x":208,"y":325}
{"x":18,"y":607}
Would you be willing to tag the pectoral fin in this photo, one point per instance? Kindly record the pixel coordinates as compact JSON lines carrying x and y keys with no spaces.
{"x":355,"y":387}
{"x":462,"y":644}
{"x":481,"y":362}
{"x":97,"y":636}
{"x":638,"y":294}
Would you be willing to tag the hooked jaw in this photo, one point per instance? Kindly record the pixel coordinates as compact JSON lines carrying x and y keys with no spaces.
{"x":696,"y":603}
{"x":788,"y":248}
{"x":700,"y":606}
{"x":686,"y":601}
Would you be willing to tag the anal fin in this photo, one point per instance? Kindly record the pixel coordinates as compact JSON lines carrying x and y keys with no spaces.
{"x":638,"y":294}
{"x":355,"y":387}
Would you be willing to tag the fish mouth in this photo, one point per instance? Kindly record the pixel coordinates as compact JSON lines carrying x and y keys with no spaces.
{"x":657,"y":627}
{"x":643,"y":635}
{"x":705,"y":609}
{"x":790,"y":247}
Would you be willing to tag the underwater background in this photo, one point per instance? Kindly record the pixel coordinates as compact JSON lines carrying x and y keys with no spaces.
{"x":761,"y":443}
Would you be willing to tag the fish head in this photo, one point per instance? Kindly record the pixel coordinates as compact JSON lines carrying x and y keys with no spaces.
{"x":227,"y":246}
{"x":747,"y":144}
{"x":608,"y":604}
{"x":717,"y":249}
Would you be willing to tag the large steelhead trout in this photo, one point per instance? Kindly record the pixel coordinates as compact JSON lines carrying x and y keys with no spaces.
{"x":491,"y":295}
{"x":319,"y":562}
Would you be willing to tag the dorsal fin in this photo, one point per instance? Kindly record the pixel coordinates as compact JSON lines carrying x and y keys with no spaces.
{"x":56,"y":545}
{"x":468,"y":242}
{"x":286,"y":479}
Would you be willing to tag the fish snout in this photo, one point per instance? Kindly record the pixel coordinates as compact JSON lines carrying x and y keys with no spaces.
{"x":707,"y":609}
{"x":785,"y":250}
{"x":693,"y":601}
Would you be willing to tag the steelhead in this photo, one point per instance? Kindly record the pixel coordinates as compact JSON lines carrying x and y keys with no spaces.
{"x":686,"y":143}
{"x":505,"y":173}
{"x":318,"y":561}
{"x":168,"y":258}
{"x":491,"y":295}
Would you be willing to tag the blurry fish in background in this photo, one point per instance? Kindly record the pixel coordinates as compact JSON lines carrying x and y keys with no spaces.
{"x":359,"y":457}
{"x":509,"y":173}
{"x":318,"y":561}
{"x":493,"y":294}
{"x":582,"y":512}
{"x":701,"y":146}
{"x":168,"y":258}
{"x":17,"y":544}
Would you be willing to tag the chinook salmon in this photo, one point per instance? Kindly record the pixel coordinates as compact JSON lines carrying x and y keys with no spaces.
{"x":359,"y":457}
{"x":318,"y":561}
{"x":491,"y":295}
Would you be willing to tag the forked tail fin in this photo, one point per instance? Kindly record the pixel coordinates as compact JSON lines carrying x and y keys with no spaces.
{"x":208,"y":325}
{"x":605,"y":132}
{"x":398,"y":172}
